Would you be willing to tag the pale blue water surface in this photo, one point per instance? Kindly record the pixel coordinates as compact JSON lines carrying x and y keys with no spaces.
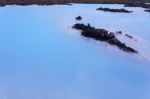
{"x":42,"y":57}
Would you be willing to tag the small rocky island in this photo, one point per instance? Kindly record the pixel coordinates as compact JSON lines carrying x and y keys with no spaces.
{"x":137,"y":4}
{"x":114,"y":10}
{"x":78,"y":18}
{"x":102,"y":35}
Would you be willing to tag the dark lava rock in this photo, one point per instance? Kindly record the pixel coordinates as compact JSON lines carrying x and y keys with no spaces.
{"x":78,"y":18}
{"x":2,"y":5}
{"x":31,"y":2}
{"x":129,"y":36}
{"x":137,"y":4}
{"x":119,"y":32}
{"x":102,"y":35}
{"x":147,"y":10}
{"x":134,"y":4}
{"x":66,"y":2}
{"x":114,"y":10}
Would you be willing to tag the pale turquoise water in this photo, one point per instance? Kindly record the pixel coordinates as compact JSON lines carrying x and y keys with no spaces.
{"x":41,"y":57}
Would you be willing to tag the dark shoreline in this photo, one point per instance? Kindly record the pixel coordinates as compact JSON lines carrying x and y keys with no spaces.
{"x":43,"y":4}
{"x":127,"y":3}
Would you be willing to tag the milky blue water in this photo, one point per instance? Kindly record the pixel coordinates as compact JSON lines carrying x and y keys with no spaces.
{"x":42,"y":57}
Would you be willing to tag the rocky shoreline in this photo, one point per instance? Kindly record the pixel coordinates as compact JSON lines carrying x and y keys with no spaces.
{"x":103,"y":35}
{"x":138,"y":3}
{"x":113,"y":10}
{"x":42,"y":4}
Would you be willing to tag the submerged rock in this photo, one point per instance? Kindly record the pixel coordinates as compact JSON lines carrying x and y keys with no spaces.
{"x":119,"y":32}
{"x":129,"y":36}
{"x":78,"y":18}
{"x":102,"y":35}
{"x":114,"y":10}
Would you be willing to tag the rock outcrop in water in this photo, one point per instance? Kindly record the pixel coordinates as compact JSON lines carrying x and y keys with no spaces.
{"x":78,"y":18}
{"x":147,"y":10}
{"x":113,"y":10}
{"x":129,"y":36}
{"x":119,"y":32}
{"x":102,"y":35}
{"x":137,"y":4}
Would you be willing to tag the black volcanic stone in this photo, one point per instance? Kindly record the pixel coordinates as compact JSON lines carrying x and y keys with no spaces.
{"x":137,"y":4}
{"x":102,"y":35}
{"x":78,"y":18}
{"x":113,"y":10}
{"x":119,"y":32}
{"x":129,"y":36}
{"x":148,"y":10}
